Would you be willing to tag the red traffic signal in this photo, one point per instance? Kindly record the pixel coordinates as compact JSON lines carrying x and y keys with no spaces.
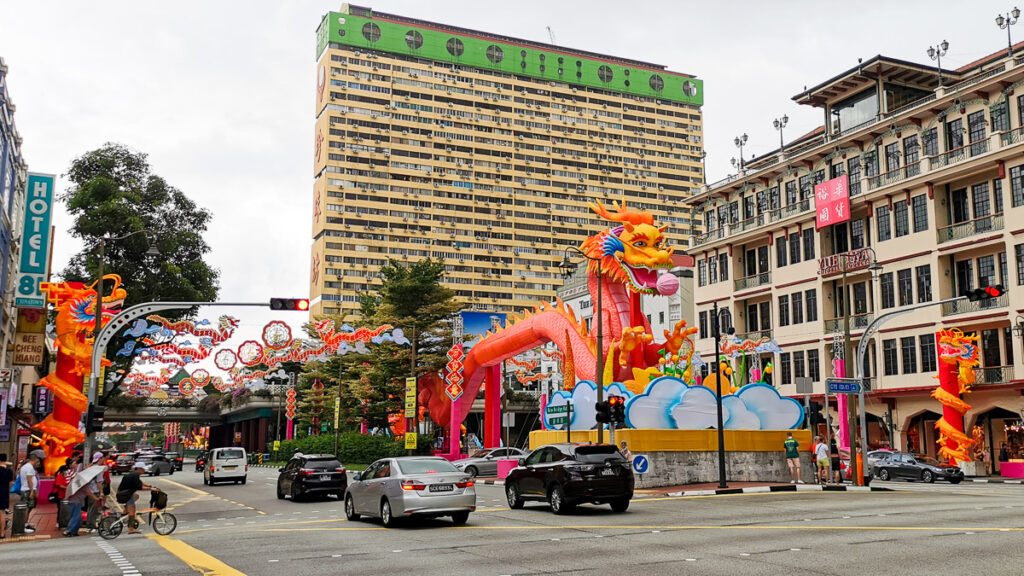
{"x":985,"y":293}
{"x":300,"y":304}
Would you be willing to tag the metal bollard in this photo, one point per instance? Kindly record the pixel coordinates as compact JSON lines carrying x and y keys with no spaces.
{"x":63,"y":513}
{"x":19,"y":518}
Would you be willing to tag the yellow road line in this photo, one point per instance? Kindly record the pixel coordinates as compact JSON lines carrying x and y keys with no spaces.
{"x":196,"y":559}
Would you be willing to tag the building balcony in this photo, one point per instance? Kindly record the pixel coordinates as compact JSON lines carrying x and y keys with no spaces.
{"x":790,"y":210}
{"x":962,"y":230}
{"x":748,"y":224}
{"x":967,"y":307}
{"x":752,"y":281}
{"x":894,"y":176}
{"x":857,"y":322}
{"x":1013,"y":136}
{"x":709,"y":236}
{"x":993,"y":375}
{"x":755,"y":335}
{"x":958,"y":155}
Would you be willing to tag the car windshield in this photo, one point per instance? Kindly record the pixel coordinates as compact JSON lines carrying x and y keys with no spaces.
{"x":124,"y":458}
{"x":225,"y":454}
{"x":928,"y":460}
{"x":329,"y":464}
{"x":426,"y":466}
{"x":598,"y":454}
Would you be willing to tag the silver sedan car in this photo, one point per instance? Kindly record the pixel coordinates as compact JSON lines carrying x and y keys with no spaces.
{"x":485,"y":462}
{"x":395,"y":488}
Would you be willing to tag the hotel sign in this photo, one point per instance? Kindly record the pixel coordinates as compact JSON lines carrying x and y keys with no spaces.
{"x":35,"y":241}
{"x":832,"y":202}
{"x":853,"y":260}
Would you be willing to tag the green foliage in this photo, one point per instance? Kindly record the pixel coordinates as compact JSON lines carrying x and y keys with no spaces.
{"x":353,"y":447}
{"x":125,"y":402}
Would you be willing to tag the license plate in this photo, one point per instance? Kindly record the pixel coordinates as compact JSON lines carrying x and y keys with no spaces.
{"x":441,"y":487}
{"x":607,"y":472}
{"x":325,"y":476}
{"x":230,"y":467}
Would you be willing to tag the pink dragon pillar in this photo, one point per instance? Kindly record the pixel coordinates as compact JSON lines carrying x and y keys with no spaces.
{"x":492,"y":406}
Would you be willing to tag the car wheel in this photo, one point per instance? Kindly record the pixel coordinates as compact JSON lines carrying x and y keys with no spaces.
{"x":883,"y":474}
{"x":244,"y":478}
{"x":171,"y":472}
{"x":280,"y":494}
{"x":954,"y":480}
{"x":385,"y":514}
{"x":350,"y":510}
{"x":472,"y":471}
{"x":620,"y":505}
{"x":927,"y":476}
{"x":296,"y":492}
{"x":156,"y":472}
{"x":460,"y":518}
{"x":556,"y":498}
{"x":515,"y":501}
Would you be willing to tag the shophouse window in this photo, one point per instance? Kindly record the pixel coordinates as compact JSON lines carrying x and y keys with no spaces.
{"x":813,"y":366}
{"x":909,"y":355}
{"x":796,"y":301}
{"x":794,"y":248}
{"x":808,"y":243}
{"x":762,"y":202}
{"x":856,"y":234}
{"x":774,"y":202}
{"x":997,"y":196}
{"x":798,"y":364}
{"x":780,"y":251}
{"x":784,"y":310}
{"x":806,"y":186}
{"x":860,"y":298}
{"x":892,"y":156}
{"x":723,"y":266}
{"x":710,"y":222}
{"x":960,"y":205}
{"x":888,"y":292}
{"x":752,"y":324}
{"x":964,"y":276}
{"x":811,"y":302}
{"x":870,"y":160}
{"x":928,"y":358}
{"x":787,"y":374}
{"x":713,"y":270}
{"x":906,"y":287}
{"x":890,"y":354}
{"x":702,"y":324}
{"x":987,"y":271}
{"x":748,"y":207}
{"x":840,"y":242}
{"x":924,"y":283}
{"x":766,"y":315}
{"x":1000,"y":117}
{"x":920,"y":206}
{"x":912,"y":155}
{"x":791,"y":193}
{"x":1017,"y":186}
{"x":976,"y":131}
{"x":837,"y":170}
{"x":884,"y":223}
{"x":982,"y":206}
{"x":931,"y":142}
{"x":1002,"y":268}
{"x":902,"y":218}
{"x":954,"y":134}
{"x":1008,"y":343}
{"x":1018,"y":252}
{"x":853,"y":169}
{"x":702,"y":273}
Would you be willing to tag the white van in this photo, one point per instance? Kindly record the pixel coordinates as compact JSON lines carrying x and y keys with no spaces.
{"x":226,"y":464}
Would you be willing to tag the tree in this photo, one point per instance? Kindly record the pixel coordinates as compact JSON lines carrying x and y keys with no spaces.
{"x":113,"y":193}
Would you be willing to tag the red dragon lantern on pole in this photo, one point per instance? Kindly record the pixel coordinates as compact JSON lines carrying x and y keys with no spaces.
{"x":958,"y":356}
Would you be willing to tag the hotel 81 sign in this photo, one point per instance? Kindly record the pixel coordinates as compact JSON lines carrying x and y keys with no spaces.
{"x":35,"y":241}
{"x":832,"y":202}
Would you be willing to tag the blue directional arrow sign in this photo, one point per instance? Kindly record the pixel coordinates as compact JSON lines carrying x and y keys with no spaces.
{"x":641,"y":465}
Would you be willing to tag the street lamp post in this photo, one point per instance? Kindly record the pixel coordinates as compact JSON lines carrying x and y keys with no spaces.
{"x":779,"y":124}
{"x":936,"y":53}
{"x":567,"y":267}
{"x":716,"y":321}
{"x":1004,"y":23}
{"x":740,"y":141}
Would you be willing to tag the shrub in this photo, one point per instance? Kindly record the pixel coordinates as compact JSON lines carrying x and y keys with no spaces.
{"x":353,"y":447}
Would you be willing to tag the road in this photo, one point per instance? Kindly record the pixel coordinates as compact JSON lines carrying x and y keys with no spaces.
{"x":230,"y":530}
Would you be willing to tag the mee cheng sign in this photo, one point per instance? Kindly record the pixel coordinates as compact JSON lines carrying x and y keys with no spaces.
{"x":35,"y":241}
{"x":832,"y":202}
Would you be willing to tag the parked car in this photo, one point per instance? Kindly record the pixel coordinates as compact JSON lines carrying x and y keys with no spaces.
{"x":485,"y":462}
{"x":177,"y":459}
{"x":312,"y":474}
{"x":226,"y":464}
{"x":201,"y":460}
{"x":901,"y":465}
{"x":156,"y":464}
{"x":122,"y":464}
{"x":565,"y":475}
{"x":425,"y":486}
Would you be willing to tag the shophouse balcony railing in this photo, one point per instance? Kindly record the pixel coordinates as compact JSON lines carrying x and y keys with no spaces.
{"x":855,"y":187}
{"x":975,"y":80}
{"x":790,"y":210}
{"x":748,"y":224}
{"x":966,"y":306}
{"x":755,"y":335}
{"x":752,"y":281}
{"x":960,"y":154}
{"x":712,"y":235}
{"x":857,"y":322}
{"x":1013,"y":136}
{"x":993,"y":375}
{"x":962,"y":230}
{"x":894,"y":176}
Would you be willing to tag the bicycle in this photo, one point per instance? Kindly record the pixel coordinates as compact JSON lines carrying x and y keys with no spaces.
{"x":163,"y":523}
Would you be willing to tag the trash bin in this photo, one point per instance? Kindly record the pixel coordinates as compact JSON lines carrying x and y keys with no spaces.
{"x":19,"y":518}
{"x":63,"y":513}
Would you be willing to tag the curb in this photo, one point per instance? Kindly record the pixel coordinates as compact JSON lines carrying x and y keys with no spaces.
{"x":780,"y":488}
{"x":491,"y":482}
{"x":993,"y":481}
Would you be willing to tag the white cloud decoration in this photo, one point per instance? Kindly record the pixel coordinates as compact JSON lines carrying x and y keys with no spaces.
{"x":697,"y":409}
{"x":583,"y":398}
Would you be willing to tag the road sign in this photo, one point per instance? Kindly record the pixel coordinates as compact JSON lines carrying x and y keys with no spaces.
{"x":843,"y":385}
{"x":277,"y":445}
{"x":410,"y":440}
{"x":641,"y":465}
{"x":559,"y":409}
{"x":410,"y":397}
{"x":558,"y":420}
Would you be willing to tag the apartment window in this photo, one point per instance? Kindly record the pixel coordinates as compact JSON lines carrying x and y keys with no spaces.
{"x":909,"y":355}
{"x":798,"y":364}
{"x":906,"y":287}
{"x":806,"y":186}
{"x":888,"y":294}
{"x":1002,"y":268}
{"x":748,"y":207}
{"x":929,"y":361}
{"x":796,"y":300}
{"x":870,"y":160}
{"x":811,"y":301}
{"x":889,"y":353}
{"x":1018,"y":251}
{"x":987,"y":271}
{"x":902,"y":218}
{"x":794,"y":248}
{"x":791,"y":193}
{"x":787,"y":374}
{"x":976,"y":130}
{"x":924,"y":283}
{"x":860,"y":298}
{"x":713,"y":270}
{"x":784,"y":310}
{"x":853,"y":169}
{"x":780,"y":251}
{"x":702,"y":324}
{"x":954,"y":134}
{"x":892,"y":156}
{"x":723,"y":266}
{"x":1017,"y":186}
{"x":920,"y":206}
{"x":774,"y":202}
{"x":752,"y":324}
{"x":884,"y":224}
{"x":931,"y":142}
{"x":808,"y":243}
{"x":912,"y":155}
{"x":762,"y":202}
{"x":1000,"y":116}
{"x":997,"y":196}
{"x":982,"y":206}
{"x":856,"y":234}
{"x":813,"y":366}
{"x":766,"y":315}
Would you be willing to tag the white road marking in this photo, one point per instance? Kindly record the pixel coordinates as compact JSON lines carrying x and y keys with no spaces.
{"x":126,"y":567}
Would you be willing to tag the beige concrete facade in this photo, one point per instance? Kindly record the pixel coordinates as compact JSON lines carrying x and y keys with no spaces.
{"x":936,"y":178}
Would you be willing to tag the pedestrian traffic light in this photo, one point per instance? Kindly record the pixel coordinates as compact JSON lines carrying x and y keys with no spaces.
{"x":604,"y":413}
{"x":985,"y":293}
{"x":94,"y":419}
{"x":300,"y":304}
{"x":617,"y":406}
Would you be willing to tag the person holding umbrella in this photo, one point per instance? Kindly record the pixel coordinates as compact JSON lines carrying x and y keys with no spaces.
{"x":82,"y":487}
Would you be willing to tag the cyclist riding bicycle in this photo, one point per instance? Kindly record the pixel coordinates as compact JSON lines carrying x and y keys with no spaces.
{"x":127,"y":493}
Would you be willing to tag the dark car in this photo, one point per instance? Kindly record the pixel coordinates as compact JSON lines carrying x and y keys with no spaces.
{"x":155,"y":464}
{"x":901,"y":465}
{"x":122,"y":464}
{"x":565,"y":475}
{"x":312,"y":474}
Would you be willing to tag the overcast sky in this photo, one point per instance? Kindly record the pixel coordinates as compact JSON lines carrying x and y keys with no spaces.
{"x":220,"y":94}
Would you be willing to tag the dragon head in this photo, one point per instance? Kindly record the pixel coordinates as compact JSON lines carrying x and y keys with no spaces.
{"x":634,"y":253}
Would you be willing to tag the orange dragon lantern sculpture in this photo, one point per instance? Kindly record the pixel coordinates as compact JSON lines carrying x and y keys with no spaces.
{"x":76,"y":321}
{"x":958,"y":356}
{"x":634,"y":259}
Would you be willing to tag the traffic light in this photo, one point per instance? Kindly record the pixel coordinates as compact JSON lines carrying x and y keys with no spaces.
{"x":985,"y":293}
{"x":618,"y":409}
{"x":300,"y":304}
{"x":94,"y":419}
{"x":814,"y":415}
{"x":604,"y":412}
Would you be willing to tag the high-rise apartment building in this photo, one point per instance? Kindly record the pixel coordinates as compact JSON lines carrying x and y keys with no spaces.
{"x":933,"y":163}
{"x":482,"y":151}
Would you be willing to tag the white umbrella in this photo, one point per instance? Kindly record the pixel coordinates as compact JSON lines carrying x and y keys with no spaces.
{"x":84,"y":477}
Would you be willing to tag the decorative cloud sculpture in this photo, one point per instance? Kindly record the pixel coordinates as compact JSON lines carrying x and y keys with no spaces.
{"x":740,"y":418}
{"x":652,"y":408}
{"x":774,"y":411}
{"x":698,"y":409}
{"x":583,"y":398}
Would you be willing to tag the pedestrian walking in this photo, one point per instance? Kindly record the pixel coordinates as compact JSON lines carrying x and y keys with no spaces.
{"x":833,"y":455}
{"x":793,"y":458}
{"x":29,"y":487}
{"x":624,"y":450}
{"x":103,"y":488}
{"x":6,"y":482}
{"x":821,"y":459}
{"x":88,"y":492}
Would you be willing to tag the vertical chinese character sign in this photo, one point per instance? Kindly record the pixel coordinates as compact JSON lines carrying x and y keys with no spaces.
{"x":832,"y":202}
{"x":290,"y":413}
{"x":454,"y":391}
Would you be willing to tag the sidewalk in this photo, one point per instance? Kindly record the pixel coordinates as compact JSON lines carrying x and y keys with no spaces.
{"x":44,"y":518}
{"x":994,"y":480}
{"x":711,"y":488}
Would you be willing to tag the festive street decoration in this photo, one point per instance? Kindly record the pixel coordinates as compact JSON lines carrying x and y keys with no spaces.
{"x":289,"y":411}
{"x":454,"y":372}
{"x":225,"y":359}
{"x":958,"y":356}
{"x":277,"y":335}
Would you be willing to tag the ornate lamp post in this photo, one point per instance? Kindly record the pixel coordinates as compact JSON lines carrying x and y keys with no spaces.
{"x":936,"y":53}
{"x":779,"y":124}
{"x":740,"y":142}
{"x":1004,"y":23}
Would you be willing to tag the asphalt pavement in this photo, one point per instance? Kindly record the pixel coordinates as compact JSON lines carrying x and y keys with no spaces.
{"x":231,"y":530}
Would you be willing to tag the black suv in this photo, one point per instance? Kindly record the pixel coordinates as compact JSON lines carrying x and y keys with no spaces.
{"x":565,"y":475}
{"x":312,"y":474}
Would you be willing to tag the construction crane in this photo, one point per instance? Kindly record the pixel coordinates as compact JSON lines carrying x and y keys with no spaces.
{"x":551,"y":35}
